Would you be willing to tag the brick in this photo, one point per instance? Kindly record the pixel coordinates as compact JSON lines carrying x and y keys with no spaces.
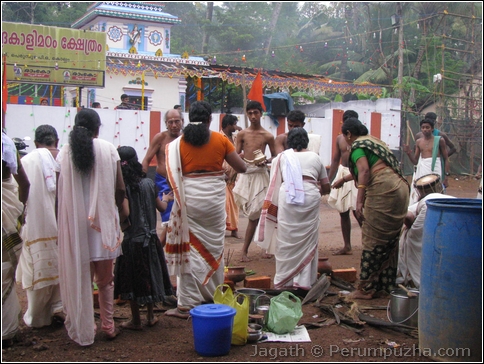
{"x":262,"y":282}
{"x":347,"y":274}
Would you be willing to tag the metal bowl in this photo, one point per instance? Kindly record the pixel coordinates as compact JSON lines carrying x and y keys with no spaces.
{"x":255,"y":333}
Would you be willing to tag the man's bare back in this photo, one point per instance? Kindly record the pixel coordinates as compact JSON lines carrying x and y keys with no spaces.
{"x":341,"y":156}
{"x":344,"y":149}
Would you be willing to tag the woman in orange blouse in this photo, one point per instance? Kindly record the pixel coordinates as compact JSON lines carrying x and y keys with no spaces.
{"x":196,"y":230}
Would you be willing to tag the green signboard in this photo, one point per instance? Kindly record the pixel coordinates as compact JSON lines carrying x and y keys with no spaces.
{"x":51,"y":55}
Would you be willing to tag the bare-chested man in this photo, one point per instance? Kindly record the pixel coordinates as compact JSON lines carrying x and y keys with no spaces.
{"x":229,"y":129}
{"x":426,"y":159}
{"x":343,"y":195}
{"x":174,"y":125}
{"x":251,"y":187}
{"x":450,"y":146}
{"x":295,"y":119}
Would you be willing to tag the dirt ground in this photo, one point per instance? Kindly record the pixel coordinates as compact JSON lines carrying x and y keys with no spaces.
{"x":171,"y":340}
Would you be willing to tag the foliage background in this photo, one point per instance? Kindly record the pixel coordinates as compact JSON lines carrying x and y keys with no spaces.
{"x":344,"y":41}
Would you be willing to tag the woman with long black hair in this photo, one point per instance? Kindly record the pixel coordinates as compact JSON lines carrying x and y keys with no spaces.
{"x":90,"y":192}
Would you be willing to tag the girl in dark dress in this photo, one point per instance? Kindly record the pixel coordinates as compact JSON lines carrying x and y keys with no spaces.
{"x":141,"y":275}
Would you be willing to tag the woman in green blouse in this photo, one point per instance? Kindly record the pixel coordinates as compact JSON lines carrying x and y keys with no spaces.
{"x":381,"y":206}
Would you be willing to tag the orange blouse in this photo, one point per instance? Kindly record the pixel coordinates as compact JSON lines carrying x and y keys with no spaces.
{"x":208,"y":157}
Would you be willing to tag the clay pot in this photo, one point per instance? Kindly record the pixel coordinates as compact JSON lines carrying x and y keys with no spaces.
{"x":235,"y":274}
{"x":324,"y":266}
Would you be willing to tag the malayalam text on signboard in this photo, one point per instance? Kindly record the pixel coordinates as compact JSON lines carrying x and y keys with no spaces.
{"x":52,"y":55}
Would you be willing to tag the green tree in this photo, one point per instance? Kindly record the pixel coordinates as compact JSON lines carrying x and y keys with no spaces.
{"x":186,"y":36}
{"x":59,"y":14}
{"x":241,"y":29}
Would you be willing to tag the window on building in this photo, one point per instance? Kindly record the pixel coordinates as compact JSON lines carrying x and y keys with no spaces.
{"x":136,"y":101}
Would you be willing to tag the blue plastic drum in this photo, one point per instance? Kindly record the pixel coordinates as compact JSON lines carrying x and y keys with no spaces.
{"x":450,"y":302}
{"x":212,"y":329}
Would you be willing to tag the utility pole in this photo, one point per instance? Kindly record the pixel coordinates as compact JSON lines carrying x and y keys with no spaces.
{"x":400,"y":49}
{"x":246,"y":122}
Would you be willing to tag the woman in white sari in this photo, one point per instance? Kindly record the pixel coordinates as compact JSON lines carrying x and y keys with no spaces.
{"x":90,"y":192}
{"x":196,"y":230}
{"x":291,"y":210}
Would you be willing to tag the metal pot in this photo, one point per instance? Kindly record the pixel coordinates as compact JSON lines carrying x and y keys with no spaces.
{"x":263,"y":311}
{"x":254,"y":333}
{"x":253,"y":294}
{"x":403,"y":309}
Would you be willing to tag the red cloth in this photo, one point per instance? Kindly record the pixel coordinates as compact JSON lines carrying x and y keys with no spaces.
{"x":256,"y":93}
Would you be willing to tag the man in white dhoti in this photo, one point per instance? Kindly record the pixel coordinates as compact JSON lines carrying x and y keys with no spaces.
{"x":196,"y":228}
{"x":410,"y":246}
{"x":430,"y":157}
{"x":289,"y":223}
{"x":343,"y":195}
{"x":230,"y":130}
{"x":15,"y":192}
{"x":251,"y":187}
{"x":37,"y":270}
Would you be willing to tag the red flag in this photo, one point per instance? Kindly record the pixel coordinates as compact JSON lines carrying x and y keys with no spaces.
{"x":4,"y":86}
{"x":256,"y":93}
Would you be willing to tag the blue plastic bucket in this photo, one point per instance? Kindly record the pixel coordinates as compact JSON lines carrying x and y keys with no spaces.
{"x":450,"y":302}
{"x":212,"y":329}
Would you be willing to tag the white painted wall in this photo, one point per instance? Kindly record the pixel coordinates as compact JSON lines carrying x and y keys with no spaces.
{"x":130,"y":127}
{"x":391,"y":116}
{"x":120,"y":127}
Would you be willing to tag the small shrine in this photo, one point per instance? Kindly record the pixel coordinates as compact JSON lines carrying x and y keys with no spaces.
{"x":139,"y":62}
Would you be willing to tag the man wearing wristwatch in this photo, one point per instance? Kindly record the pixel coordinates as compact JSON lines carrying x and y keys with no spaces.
{"x":430,"y":157}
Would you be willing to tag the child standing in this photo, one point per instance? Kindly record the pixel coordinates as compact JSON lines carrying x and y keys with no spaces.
{"x":141,"y":275}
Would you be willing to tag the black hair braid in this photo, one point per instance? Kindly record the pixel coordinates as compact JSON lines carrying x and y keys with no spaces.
{"x":86,"y":126}
{"x":196,"y":135}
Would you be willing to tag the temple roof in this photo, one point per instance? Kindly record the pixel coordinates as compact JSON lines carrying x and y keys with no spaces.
{"x":135,"y":10}
{"x":235,"y":75}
